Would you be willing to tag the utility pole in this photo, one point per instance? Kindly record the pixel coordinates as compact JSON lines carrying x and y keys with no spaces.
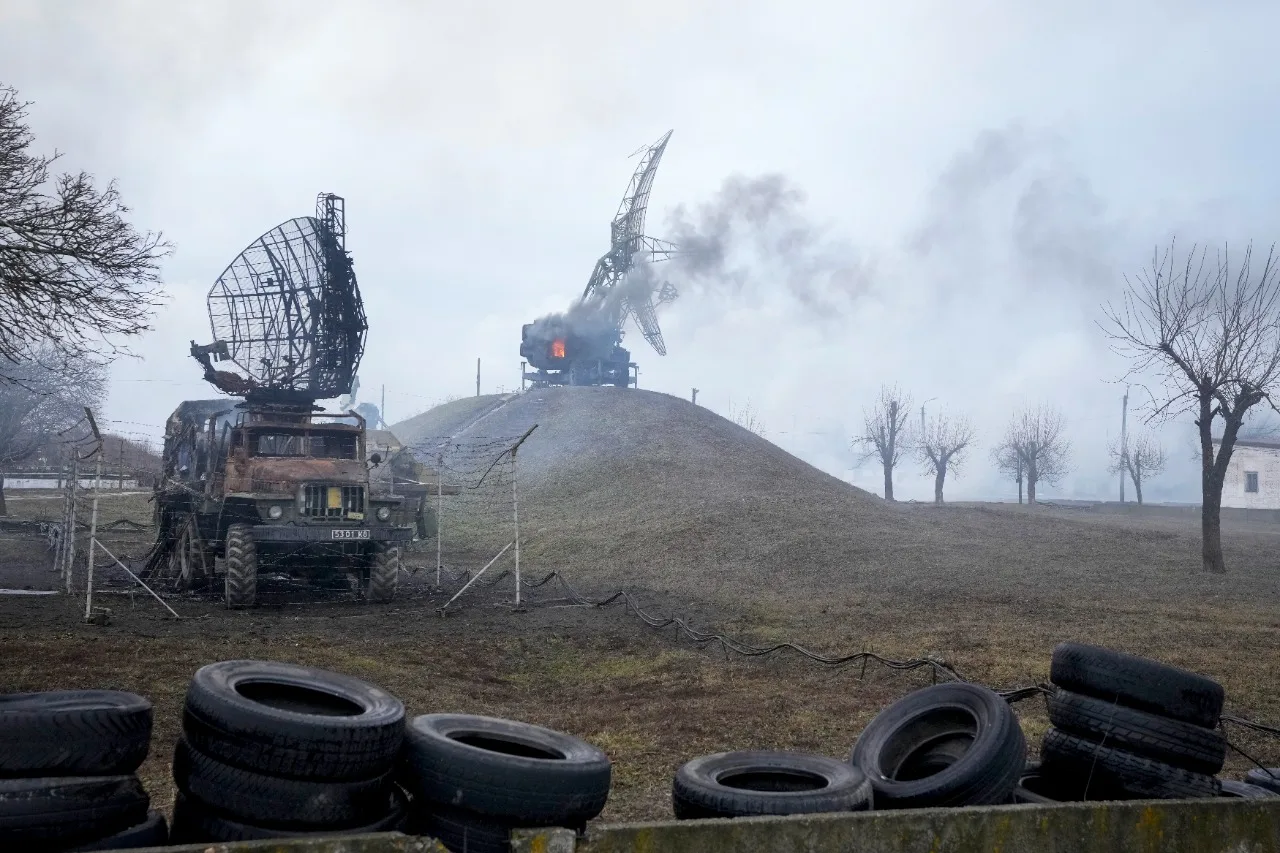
{"x":477,"y":377}
{"x":382,"y":409}
{"x":695,"y":396}
{"x":922,"y":405}
{"x":121,"y":472}
{"x":1124,"y":440}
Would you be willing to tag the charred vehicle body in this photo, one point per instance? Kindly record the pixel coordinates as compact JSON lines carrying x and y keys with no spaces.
{"x":271,"y":481}
{"x":277,"y":487}
{"x":583,"y":346}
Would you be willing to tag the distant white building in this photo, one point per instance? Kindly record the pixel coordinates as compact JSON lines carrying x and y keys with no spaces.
{"x":1253,"y":475}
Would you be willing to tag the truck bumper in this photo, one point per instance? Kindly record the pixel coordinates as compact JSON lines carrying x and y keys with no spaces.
{"x":321,"y":533}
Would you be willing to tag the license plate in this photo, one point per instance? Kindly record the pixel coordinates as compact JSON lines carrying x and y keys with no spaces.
{"x":349,"y":534}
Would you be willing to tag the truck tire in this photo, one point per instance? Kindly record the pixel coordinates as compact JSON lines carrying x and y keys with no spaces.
{"x":152,"y":832}
{"x":744,"y":784}
{"x":274,"y":801}
{"x":242,"y":567}
{"x":510,"y":771}
{"x":1117,"y":771}
{"x":1184,"y":745}
{"x":1264,"y":777}
{"x":58,"y":812}
{"x":384,"y":574}
{"x":293,"y":721}
{"x":1245,"y":791}
{"x":954,"y":744}
{"x":462,"y":830}
{"x":1140,"y":683}
{"x":73,"y":733}
{"x":196,"y":823}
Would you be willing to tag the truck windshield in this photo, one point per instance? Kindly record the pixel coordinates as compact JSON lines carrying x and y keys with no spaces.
{"x":323,"y":446}
{"x":275,"y":444}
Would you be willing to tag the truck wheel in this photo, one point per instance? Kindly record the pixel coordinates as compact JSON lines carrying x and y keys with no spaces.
{"x":384,"y":574}
{"x":242,"y":567}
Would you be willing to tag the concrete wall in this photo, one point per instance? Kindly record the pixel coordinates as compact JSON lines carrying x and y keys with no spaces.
{"x":1263,"y":460}
{"x":1190,"y":826}
{"x":1186,"y":826}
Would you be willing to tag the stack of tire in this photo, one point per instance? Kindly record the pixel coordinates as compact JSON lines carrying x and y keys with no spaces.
{"x":67,"y":772}
{"x":473,"y":779}
{"x":1126,"y":727}
{"x":273,"y":750}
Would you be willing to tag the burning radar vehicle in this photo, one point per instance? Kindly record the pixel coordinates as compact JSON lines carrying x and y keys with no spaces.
{"x":271,"y":480}
{"x":583,"y":346}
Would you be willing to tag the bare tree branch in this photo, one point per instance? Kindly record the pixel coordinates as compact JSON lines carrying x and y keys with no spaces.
{"x":885,"y":435}
{"x":1035,"y":446}
{"x":1143,"y":459}
{"x":40,"y":403}
{"x":73,"y":272}
{"x":943,"y":448}
{"x":747,"y":417}
{"x":1212,"y":340}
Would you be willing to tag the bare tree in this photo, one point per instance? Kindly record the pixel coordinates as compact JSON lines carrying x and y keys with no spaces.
{"x":38,"y":404}
{"x":885,"y":434}
{"x":73,"y":272}
{"x":1009,"y":463}
{"x":1211,"y":338}
{"x":1141,"y":460}
{"x":943,"y":447}
{"x":747,"y":417}
{"x":1035,"y":445}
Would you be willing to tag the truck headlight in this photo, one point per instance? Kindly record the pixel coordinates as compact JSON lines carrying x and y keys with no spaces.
{"x":275,"y":512}
{"x":384,"y":512}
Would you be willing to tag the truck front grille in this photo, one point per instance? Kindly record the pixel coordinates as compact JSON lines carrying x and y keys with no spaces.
{"x":319,"y":501}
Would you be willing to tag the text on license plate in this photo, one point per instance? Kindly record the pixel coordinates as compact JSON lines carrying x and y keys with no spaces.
{"x":349,"y":534}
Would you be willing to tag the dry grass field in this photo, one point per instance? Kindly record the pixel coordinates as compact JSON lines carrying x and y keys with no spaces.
{"x":703,"y":520}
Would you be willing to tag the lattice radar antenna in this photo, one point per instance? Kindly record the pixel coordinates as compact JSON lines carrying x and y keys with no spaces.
{"x":287,"y":312}
{"x":628,"y":244}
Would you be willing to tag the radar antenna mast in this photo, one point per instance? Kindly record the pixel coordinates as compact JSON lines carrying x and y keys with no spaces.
{"x":629,"y":245}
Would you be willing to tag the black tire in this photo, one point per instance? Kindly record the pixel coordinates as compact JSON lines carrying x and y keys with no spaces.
{"x":1269,"y":778}
{"x":505,"y":769}
{"x":293,"y":721}
{"x":951,"y":744}
{"x":1245,"y":791}
{"x":45,"y":813}
{"x":384,"y":574}
{"x":1184,"y":745}
{"x":73,"y":733}
{"x":1137,"y":683}
{"x":1106,"y":773}
{"x":196,"y":823}
{"x":152,"y":832}
{"x":463,"y":832}
{"x":273,"y":801}
{"x":741,"y":784}
{"x":241,"y":587}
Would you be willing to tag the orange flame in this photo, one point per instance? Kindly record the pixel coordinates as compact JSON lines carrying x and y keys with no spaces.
{"x":557,"y":348}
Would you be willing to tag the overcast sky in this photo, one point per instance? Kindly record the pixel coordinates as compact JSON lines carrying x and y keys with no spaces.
{"x":992,"y":168}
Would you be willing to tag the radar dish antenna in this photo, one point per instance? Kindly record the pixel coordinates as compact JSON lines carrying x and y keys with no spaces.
{"x":628,"y":245}
{"x":287,"y":312}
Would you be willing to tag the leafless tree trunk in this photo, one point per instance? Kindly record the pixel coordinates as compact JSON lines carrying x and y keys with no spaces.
{"x":1143,"y":459}
{"x":1212,"y":340}
{"x":73,"y":272}
{"x":943,"y":447}
{"x":885,"y":435}
{"x":1035,"y":447}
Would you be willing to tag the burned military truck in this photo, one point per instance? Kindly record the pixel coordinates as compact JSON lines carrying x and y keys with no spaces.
{"x":282,"y":487}
{"x":271,"y":480}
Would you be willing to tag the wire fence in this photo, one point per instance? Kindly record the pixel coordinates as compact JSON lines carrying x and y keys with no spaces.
{"x":477,"y":522}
